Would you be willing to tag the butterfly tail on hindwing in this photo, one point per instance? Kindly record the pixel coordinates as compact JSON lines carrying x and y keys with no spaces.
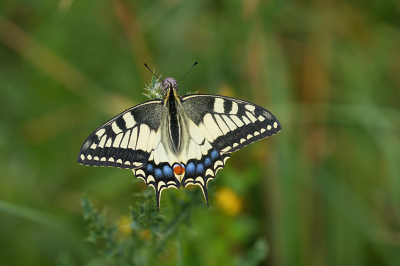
{"x":199,"y":172}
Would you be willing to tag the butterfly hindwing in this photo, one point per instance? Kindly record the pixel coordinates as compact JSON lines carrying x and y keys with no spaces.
{"x":125,"y":141}
{"x":199,"y":172}
{"x":158,"y":170}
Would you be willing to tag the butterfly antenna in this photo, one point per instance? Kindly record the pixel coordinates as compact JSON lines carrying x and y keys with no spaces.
{"x":187,"y":72}
{"x":152,"y":71}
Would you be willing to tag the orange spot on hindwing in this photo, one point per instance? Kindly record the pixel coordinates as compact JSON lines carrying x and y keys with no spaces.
{"x":179,"y":169}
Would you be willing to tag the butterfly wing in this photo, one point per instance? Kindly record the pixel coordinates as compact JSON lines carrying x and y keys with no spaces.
{"x":218,"y":126}
{"x":158,"y":170}
{"x":202,"y":160}
{"x":126,"y":140}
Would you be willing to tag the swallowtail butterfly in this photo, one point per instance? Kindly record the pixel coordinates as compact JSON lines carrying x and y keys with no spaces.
{"x":176,"y":140}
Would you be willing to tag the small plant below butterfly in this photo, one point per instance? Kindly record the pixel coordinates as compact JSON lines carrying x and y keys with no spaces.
{"x":134,"y":246}
{"x":145,"y":236}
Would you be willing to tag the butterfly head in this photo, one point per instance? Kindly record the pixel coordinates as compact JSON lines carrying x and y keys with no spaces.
{"x":169,"y":83}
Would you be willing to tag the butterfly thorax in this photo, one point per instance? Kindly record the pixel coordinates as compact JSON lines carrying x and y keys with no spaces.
{"x":170,"y":86}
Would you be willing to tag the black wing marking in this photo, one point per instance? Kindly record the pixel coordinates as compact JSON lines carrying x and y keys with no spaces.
{"x":126,"y":140}
{"x":229,"y":124}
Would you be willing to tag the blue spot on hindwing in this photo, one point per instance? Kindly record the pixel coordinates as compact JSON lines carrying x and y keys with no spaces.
{"x":214,"y":154}
{"x":207,"y":162}
{"x":149,"y":168}
{"x":199,"y":168}
{"x":167,"y":171}
{"x":158,"y":173}
{"x":190,"y":168}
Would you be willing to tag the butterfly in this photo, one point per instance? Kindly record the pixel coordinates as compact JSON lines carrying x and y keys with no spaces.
{"x":175,"y":140}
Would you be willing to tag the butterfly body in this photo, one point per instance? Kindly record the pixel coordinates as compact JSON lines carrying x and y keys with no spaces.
{"x":177,"y":140}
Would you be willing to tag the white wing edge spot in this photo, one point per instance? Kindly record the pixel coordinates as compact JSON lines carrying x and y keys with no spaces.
{"x":140,"y":172}
{"x":226,"y":149}
{"x":209,"y":172}
{"x":171,"y":183}
{"x":150,"y":178}
{"x":218,"y":163}
{"x":275,"y":125}
{"x":89,"y":157}
{"x":160,"y":184}
{"x":269,"y":127}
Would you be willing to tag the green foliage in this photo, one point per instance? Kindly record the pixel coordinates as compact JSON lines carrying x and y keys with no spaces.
{"x":132,"y":248}
{"x":149,"y":234}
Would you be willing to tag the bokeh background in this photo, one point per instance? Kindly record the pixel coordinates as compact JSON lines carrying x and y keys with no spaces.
{"x":323,"y":191}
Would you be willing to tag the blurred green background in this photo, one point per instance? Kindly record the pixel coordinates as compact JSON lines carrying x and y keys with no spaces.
{"x":323,"y":191}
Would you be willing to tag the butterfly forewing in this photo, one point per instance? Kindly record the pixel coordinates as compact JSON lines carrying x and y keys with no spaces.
{"x":124,"y":140}
{"x":229,"y":124}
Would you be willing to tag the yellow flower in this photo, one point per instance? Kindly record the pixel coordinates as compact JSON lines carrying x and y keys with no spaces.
{"x":145,"y":234}
{"x":229,"y":201}
{"x":123,"y":225}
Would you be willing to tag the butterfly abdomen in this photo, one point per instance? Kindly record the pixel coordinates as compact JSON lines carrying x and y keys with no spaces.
{"x":174,"y":124}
